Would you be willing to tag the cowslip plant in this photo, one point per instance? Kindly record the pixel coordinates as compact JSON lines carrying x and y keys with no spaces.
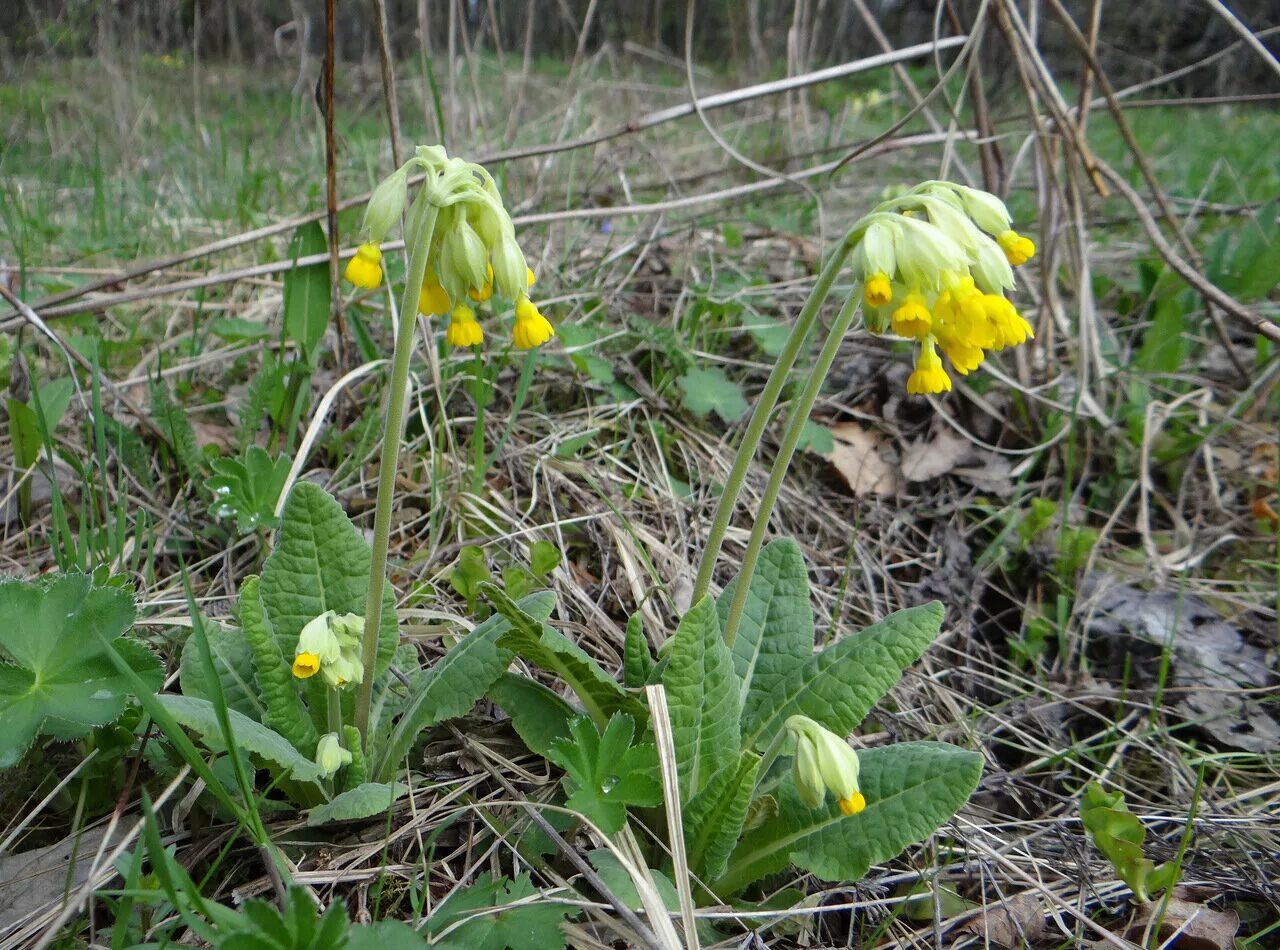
{"x":744,"y":688}
{"x":766,"y":777}
{"x":288,"y":673}
{"x":462,"y":247}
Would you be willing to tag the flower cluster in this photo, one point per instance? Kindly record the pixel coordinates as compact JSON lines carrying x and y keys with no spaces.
{"x":330,"y":645}
{"x":934,"y":263}
{"x":824,"y":762}
{"x":472,"y":252}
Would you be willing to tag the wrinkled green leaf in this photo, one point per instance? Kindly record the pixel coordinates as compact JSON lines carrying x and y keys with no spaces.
{"x":363,"y":801}
{"x":233,"y":663}
{"x":637,"y":661}
{"x":702,"y":698}
{"x":456,"y":681}
{"x":775,"y":634}
{"x":911,"y":788}
{"x":714,"y":820}
{"x":838,"y":686}
{"x":538,"y":643}
{"x":200,"y":716}
{"x":321,"y":562}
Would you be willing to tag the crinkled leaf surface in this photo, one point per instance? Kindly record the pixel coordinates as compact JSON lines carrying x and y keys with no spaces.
{"x":363,"y":801}
{"x":200,"y":716}
{"x":838,"y":686}
{"x":911,"y":788}
{"x":233,"y":663}
{"x":453,"y":684}
{"x":703,"y":699}
{"x":495,"y":914}
{"x":605,"y":772}
{"x":713,"y":820}
{"x":775,"y":634}
{"x":1119,"y":834}
{"x":320,"y":562}
{"x":53,"y":635}
{"x":539,"y":715}
{"x":637,"y":660}
{"x":546,"y":647}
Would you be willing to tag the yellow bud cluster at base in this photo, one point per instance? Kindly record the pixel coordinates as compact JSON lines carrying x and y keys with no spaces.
{"x":929,"y":377}
{"x":1017,"y":249}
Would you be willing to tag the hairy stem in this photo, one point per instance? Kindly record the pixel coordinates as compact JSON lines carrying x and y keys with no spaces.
{"x":799,"y":414}
{"x":389,"y":461}
{"x":765,"y":404}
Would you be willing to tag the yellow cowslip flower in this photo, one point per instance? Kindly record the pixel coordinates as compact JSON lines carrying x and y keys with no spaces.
{"x":464,"y":329}
{"x":532,"y":329}
{"x":365,"y":269}
{"x":824,"y":762}
{"x":912,"y":319}
{"x":481,"y":294}
{"x":1011,"y":327}
{"x":929,"y":377}
{"x":1017,"y":248}
{"x":330,"y":755}
{"x":433,"y":300}
{"x":965,"y":356}
{"x":306,"y":665}
{"x":878,"y":290}
{"x":530,"y":276}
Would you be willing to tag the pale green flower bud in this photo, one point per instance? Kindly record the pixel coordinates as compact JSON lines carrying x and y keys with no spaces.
{"x":349,"y":629}
{"x":924,"y":252}
{"x":824,"y":762}
{"x":875,"y":253}
{"x":510,"y":270}
{"x":386,"y":205}
{"x":330,"y":755}
{"x":988,"y":211}
{"x":953,"y":222}
{"x":991,"y":268}
{"x":490,"y":223}
{"x":345,"y":670}
{"x":463,"y":259}
{"x":433,"y":156}
{"x":317,"y":638}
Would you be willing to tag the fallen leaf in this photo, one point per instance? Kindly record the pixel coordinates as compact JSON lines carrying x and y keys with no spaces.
{"x":858,"y":455}
{"x":1017,"y":921}
{"x":34,"y":881}
{"x":1196,"y":926}
{"x":1211,"y":660}
{"x":936,"y":455}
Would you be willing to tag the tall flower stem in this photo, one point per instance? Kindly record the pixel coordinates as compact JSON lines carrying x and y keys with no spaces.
{"x":798,"y":415}
{"x":389,"y":460}
{"x":765,"y":404}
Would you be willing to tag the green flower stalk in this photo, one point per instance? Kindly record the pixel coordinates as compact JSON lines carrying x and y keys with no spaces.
{"x":462,"y":247}
{"x":933,"y":265}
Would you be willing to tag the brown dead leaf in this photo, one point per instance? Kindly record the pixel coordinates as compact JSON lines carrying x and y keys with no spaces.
{"x":1015,"y":922}
{"x":859,"y":457}
{"x":936,"y":455}
{"x":1196,"y":926}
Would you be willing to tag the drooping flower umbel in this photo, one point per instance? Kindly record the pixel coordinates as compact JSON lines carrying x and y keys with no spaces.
{"x":473,"y":252}
{"x":935,"y":263}
{"x":330,"y":645}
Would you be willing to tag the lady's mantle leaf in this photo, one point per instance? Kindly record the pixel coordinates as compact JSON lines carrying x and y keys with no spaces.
{"x":606,"y":773}
{"x":55,"y":635}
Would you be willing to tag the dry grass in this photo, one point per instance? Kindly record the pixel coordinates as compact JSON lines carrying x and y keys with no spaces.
{"x":1052,"y":427}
